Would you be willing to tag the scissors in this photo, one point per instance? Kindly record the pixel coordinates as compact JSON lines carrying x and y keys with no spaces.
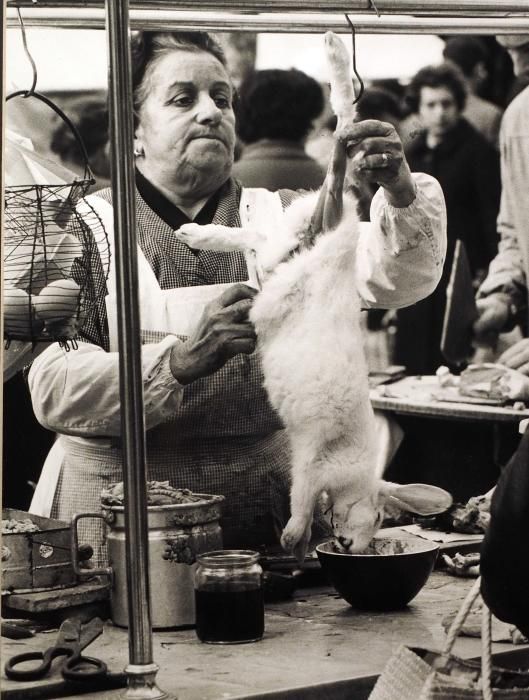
{"x":73,"y":637}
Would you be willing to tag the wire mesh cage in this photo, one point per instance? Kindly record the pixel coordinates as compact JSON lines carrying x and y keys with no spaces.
{"x":56,"y":252}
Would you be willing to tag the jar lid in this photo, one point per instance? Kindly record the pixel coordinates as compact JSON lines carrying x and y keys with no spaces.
{"x":229,"y":557}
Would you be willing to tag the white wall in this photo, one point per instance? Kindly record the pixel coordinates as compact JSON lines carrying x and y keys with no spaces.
{"x":66,"y":59}
{"x":76,"y":59}
{"x":377,"y":55}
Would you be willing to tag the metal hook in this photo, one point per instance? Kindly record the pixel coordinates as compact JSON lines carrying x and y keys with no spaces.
{"x":355,"y":71}
{"x":372,"y":3}
{"x":29,"y":56}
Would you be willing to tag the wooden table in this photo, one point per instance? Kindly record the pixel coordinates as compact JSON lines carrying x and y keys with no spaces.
{"x":416,"y":396}
{"x":315,"y":648}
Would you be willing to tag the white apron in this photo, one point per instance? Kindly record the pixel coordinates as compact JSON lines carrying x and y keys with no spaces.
{"x":225,"y":433}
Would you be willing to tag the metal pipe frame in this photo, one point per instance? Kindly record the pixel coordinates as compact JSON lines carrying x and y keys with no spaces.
{"x":141,"y":669}
{"x":93,"y":18}
{"x":417,"y":7}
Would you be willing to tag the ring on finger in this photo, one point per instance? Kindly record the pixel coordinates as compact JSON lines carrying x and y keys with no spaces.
{"x":385,"y":159}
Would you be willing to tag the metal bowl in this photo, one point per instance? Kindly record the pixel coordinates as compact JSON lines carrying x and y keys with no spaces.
{"x":379,"y":581}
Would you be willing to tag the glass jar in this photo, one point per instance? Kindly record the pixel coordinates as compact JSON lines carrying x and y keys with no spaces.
{"x":229,"y":597}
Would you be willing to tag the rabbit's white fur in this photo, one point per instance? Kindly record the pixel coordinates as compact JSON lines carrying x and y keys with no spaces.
{"x":307,"y":318}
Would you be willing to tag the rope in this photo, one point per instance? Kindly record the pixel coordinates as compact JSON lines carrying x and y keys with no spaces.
{"x":486,"y":660}
{"x":455,"y":628}
{"x":461,"y":616}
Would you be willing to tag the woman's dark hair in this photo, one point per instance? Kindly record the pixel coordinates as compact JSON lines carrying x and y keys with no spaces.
{"x":278,"y":104}
{"x":376,"y":103}
{"x":148,"y":47}
{"x":444,"y":75}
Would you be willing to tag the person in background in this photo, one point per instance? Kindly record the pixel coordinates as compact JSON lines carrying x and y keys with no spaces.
{"x":470,"y":56}
{"x":275,"y":114}
{"x":502,"y":299}
{"x":209,"y":425}
{"x":90,"y":117}
{"x":467,"y":166}
{"x":502,"y":302}
{"x":504,"y":561}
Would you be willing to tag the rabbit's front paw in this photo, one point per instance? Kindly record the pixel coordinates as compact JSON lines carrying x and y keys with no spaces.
{"x":195,"y":236}
{"x":212,"y":237}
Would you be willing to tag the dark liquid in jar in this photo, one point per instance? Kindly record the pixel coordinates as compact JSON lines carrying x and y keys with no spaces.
{"x":229,"y":616}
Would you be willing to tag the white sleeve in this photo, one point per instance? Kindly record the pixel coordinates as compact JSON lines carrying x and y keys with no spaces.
{"x":507,"y":270}
{"x":77,"y":392}
{"x":401,"y":251}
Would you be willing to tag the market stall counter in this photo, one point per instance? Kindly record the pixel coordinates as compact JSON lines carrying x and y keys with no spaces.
{"x":455,"y":441}
{"x":315,"y":646}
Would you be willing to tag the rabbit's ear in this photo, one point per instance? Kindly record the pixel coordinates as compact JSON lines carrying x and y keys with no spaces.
{"x":414,"y":498}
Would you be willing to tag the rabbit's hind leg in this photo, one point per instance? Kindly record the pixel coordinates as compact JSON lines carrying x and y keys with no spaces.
{"x":304,"y":492}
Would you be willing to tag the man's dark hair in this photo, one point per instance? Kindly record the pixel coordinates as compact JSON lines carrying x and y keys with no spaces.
{"x":444,"y":75}
{"x":278,"y":104}
{"x":376,"y":103}
{"x":466,"y":52}
{"x":90,"y":117}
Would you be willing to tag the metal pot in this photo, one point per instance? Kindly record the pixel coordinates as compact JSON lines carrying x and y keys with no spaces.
{"x":177,"y":534}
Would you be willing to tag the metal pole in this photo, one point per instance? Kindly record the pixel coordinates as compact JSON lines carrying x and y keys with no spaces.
{"x":448,"y":7}
{"x":141,"y":669}
{"x":161,"y":20}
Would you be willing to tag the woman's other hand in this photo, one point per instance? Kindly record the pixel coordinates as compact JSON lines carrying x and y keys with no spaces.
{"x":222,"y":332}
{"x":493,"y":315}
{"x":377,"y":155}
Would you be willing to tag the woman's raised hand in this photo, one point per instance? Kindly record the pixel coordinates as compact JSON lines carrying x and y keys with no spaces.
{"x":376,"y":154}
{"x":222,"y":331}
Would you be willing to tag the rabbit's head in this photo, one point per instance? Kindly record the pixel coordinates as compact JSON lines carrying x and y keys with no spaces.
{"x":355,"y":521}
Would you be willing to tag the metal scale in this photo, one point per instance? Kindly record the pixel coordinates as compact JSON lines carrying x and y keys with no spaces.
{"x":382,"y":16}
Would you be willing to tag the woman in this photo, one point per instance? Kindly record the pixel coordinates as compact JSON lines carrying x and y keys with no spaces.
{"x":468,"y":169}
{"x":209,"y":425}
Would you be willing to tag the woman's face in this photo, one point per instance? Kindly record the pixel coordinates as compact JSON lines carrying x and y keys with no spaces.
{"x":186,"y":127}
{"x":438,"y":110}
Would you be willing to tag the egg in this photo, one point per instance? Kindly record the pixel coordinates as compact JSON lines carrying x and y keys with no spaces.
{"x":18,"y":312}
{"x":58,"y":300}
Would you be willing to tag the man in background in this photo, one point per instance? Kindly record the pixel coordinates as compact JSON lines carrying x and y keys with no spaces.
{"x":470,"y":56}
{"x":502,"y":297}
